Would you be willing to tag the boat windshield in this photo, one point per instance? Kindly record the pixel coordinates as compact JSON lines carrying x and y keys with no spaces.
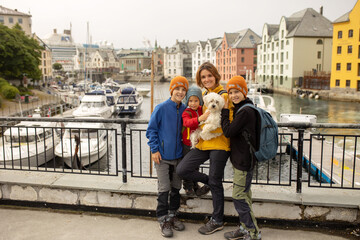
{"x":93,"y":104}
{"x":84,"y":133}
{"x":255,"y":99}
{"x":22,"y":139}
{"x":126,"y":99}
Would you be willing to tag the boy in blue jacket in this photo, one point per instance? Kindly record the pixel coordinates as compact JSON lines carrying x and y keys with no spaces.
{"x":164,"y":134}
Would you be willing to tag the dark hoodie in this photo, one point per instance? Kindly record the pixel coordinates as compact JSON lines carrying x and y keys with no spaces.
{"x":248,"y":119}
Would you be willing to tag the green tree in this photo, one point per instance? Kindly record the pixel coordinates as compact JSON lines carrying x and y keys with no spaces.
{"x":19,"y":54}
{"x":57,"y":66}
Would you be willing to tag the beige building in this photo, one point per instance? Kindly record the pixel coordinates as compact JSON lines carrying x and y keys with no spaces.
{"x":10,"y":17}
{"x":45,"y":64}
{"x":103,"y":61}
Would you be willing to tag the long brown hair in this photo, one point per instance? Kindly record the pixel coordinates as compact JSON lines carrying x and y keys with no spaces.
{"x":212,"y":69}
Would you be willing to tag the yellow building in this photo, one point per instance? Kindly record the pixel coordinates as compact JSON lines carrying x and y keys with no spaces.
{"x":345,"y":66}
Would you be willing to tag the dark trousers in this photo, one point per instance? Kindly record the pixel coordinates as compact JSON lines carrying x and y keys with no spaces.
{"x":187,"y":169}
{"x":188,"y":184}
{"x":168,"y":203}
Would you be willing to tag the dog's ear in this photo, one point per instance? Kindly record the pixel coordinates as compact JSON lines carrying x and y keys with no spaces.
{"x":206,"y":99}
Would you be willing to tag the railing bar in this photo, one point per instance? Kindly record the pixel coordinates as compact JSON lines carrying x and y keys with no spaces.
{"x":321,"y":161}
{"x":53,"y":146}
{"x":343,"y":163}
{"x":19,"y":148}
{"x":354,"y":165}
{"x":141,"y":173}
{"x":3,"y":143}
{"x":71,"y":157}
{"x":116,"y":154}
{"x":310,"y":158}
{"x":36,"y":150}
{"x":11,"y":148}
{"x":44,"y":133}
{"x":332,"y":160}
{"x":107,"y":152}
{"x":131,"y":154}
{"x":98,"y":147}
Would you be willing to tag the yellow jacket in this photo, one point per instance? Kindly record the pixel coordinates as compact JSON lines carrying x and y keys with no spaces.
{"x":221,"y":142}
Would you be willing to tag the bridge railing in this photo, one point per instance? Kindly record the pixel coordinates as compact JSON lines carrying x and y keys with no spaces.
{"x":321,"y":155}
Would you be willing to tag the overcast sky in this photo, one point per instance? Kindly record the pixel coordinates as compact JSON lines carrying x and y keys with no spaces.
{"x":127,"y":23}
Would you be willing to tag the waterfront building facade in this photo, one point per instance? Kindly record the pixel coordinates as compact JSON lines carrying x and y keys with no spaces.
{"x":63,"y":49}
{"x":45,"y":61}
{"x":178,"y":59}
{"x":135,"y":62}
{"x":345,"y":69}
{"x":205,"y":51}
{"x":236,"y":55}
{"x":298,"y":44}
{"x":158,"y":60}
{"x":103,"y":61}
{"x":9,"y":18}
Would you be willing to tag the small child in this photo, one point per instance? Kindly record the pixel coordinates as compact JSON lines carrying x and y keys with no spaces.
{"x":164,"y":134}
{"x":192,"y":116}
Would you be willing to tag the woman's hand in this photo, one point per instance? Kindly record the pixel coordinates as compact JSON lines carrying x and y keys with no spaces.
{"x":204,"y":116}
{"x":226,"y":105}
{"x":156,"y":157}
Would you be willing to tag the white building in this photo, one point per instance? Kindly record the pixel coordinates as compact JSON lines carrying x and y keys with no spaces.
{"x":63,"y":49}
{"x":301,"y":42}
{"x":103,"y":60}
{"x":178,"y":59}
{"x":205,"y":51}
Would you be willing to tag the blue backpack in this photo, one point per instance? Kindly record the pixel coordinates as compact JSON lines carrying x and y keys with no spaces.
{"x":268,"y":136}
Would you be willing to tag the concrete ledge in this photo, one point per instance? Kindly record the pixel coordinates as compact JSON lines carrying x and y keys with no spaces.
{"x":270,"y":202}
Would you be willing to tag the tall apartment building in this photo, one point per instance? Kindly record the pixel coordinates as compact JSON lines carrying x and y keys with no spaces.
{"x":298,"y":44}
{"x":237,"y":54}
{"x":205,"y":51}
{"x":45,"y":61}
{"x":345,"y":69}
{"x":10,"y":17}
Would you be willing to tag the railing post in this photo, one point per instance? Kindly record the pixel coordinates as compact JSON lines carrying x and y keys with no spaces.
{"x":123,"y":148}
{"x":299,"y":160}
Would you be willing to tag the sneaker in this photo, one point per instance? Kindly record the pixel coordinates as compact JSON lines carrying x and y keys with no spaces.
{"x":176,"y":224}
{"x":203,"y":190}
{"x":165,"y":227}
{"x":248,"y":236}
{"x":239,"y":233}
{"x":210,"y":227}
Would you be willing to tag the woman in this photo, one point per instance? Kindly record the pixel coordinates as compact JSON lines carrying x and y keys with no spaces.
{"x":216,"y":149}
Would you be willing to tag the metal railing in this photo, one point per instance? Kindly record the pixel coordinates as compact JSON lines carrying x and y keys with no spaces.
{"x":322,"y":159}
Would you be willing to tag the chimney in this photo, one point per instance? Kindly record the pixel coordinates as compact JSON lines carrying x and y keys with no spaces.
{"x":55,"y":30}
{"x":177,"y":41}
{"x":15,"y":10}
{"x":321,"y":10}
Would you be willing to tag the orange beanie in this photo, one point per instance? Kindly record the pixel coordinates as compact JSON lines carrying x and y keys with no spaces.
{"x":237,"y":82}
{"x":178,"y":81}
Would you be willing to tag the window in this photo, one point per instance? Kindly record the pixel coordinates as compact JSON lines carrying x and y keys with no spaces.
{"x":319,"y":54}
{"x":255,"y":60}
{"x":319,"y":42}
{"x":339,"y":34}
{"x":287,"y":42}
{"x":282,"y":57}
{"x":20,"y":20}
{"x":281,"y":69}
{"x":337,"y":82}
{"x":282,"y":33}
{"x":282,"y":44}
{"x":358,"y":70}
{"x":358,"y":85}
{"x":339,"y":50}
{"x":272,"y":57}
{"x":198,"y":55}
{"x":230,"y":53}
{"x":169,"y":71}
{"x":351,"y":33}
{"x":348,"y":66}
{"x":175,"y":71}
{"x":347,"y":83}
{"x":2,"y":19}
{"x":281,"y":80}
{"x":272,"y":46}
{"x":255,"y":51}
{"x":338,"y":66}
{"x":242,"y":59}
{"x":287,"y":55}
{"x":242,"y":51}
{"x":350,"y":49}
{"x":11,"y":20}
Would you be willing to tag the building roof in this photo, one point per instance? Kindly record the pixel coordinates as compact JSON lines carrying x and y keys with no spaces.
{"x":246,"y":39}
{"x":343,"y":18}
{"x":308,"y":23}
{"x":215,"y":42}
{"x":8,"y":11}
{"x":183,"y":47}
{"x":230,"y":38}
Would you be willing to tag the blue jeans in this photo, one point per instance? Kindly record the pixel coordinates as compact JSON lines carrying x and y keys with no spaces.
{"x":188,"y":169}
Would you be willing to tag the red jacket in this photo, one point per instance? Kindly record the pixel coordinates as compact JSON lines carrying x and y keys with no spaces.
{"x":190,"y":123}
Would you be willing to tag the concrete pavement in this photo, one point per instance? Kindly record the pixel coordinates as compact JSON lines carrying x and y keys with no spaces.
{"x":24,"y":224}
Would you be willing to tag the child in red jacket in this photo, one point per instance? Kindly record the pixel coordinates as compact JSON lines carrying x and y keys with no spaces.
{"x":192,"y":116}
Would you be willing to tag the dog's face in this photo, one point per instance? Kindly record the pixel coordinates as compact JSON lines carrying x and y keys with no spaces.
{"x":214,"y":102}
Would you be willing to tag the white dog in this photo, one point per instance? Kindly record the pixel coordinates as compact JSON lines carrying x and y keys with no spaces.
{"x":214,"y":103}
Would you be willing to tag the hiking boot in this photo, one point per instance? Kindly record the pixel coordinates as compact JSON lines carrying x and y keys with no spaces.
{"x":190,"y":192}
{"x":203,"y":190}
{"x":248,"y":236}
{"x":210,"y":227}
{"x":176,"y":224}
{"x":165,"y":227}
{"x":238,"y":233}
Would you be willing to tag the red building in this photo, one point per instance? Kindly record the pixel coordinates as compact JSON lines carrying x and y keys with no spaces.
{"x":237,"y":54}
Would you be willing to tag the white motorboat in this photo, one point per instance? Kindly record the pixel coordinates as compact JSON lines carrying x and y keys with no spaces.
{"x":29,"y":143}
{"x":94,"y":104}
{"x":82,"y":144}
{"x":263,"y":101}
{"x":143,"y":91}
{"x":129,"y":102}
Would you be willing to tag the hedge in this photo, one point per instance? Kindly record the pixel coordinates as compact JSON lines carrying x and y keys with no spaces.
{"x":9,"y":92}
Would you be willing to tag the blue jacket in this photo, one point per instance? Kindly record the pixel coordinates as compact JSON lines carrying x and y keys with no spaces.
{"x":164,"y":130}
